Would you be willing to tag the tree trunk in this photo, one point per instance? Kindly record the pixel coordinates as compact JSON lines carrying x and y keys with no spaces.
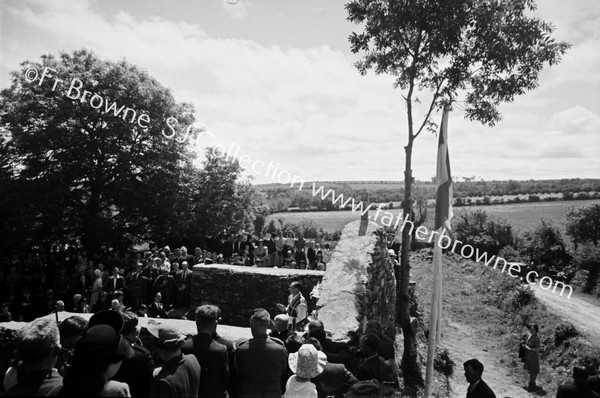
{"x":410,"y":369}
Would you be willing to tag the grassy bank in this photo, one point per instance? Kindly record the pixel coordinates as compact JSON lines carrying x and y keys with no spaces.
{"x":496,"y":308}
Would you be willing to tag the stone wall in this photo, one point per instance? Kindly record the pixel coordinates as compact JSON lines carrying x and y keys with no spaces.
{"x":237,"y":290}
{"x":359,"y":284}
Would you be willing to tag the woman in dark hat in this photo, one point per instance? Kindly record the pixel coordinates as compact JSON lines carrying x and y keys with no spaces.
{"x":97,"y":356}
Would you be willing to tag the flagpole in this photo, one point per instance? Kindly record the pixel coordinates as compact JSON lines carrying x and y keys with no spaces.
{"x":433,"y":317}
{"x":443,"y":214}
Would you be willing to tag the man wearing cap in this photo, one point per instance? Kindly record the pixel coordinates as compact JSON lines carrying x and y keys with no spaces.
{"x":297,"y":308}
{"x":261,"y":360}
{"x":180,"y":375}
{"x":212,"y":356}
{"x":38,"y":345}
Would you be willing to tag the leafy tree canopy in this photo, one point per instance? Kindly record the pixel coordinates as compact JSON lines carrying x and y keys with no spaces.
{"x":583,"y":224}
{"x":491,"y":49}
{"x":73,"y":166}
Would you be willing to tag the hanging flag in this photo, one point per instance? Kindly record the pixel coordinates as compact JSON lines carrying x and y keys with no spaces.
{"x":443,"y":199}
{"x":443,"y":215}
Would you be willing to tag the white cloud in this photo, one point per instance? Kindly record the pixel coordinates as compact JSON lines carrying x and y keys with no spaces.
{"x":309,"y":110}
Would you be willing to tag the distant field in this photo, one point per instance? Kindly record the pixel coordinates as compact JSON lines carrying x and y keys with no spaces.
{"x":521,"y":216}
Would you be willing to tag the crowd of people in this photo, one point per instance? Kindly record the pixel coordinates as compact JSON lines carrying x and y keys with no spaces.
{"x":105,"y":357}
{"x":151,"y":282}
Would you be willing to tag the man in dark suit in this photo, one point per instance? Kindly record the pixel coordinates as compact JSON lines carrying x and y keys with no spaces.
{"x":180,"y":375}
{"x":157,"y":308}
{"x":114,"y":282}
{"x":261,"y":360}
{"x":579,"y":388}
{"x":212,"y":356}
{"x":280,"y":330}
{"x":137,"y":370}
{"x":237,"y":245}
{"x":594,"y":383}
{"x":373,"y":367}
{"x":477,"y":387}
{"x":230,"y":353}
{"x":184,"y":286}
{"x":335,"y":380}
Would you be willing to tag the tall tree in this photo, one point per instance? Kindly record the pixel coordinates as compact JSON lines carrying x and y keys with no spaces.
{"x":221,"y":199}
{"x":488,"y":51}
{"x":80,"y":168}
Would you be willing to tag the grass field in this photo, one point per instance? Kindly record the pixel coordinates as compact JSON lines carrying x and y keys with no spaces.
{"x":521,"y":216}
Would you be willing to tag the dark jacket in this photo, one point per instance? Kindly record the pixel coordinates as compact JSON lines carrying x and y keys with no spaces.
{"x":155,"y":312}
{"x":232,"y":365}
{"x":261,"y":362}
{"x":36,"y":383}
{"x":372,"y":369}
{"x":137,"y":371}
{"x":214,"y":361}
{"x":594,"y":383}
{"x":575,"y":391}
{"x":180,"y":377}
{"x":481,"y":390}
{"x":335,"y":380}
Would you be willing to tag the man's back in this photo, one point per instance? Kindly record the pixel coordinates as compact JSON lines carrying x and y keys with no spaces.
{"x":335,"y":380}
{"x":261,"y":362}
{"x":35,"y":383}
{"x":214,"y":361}
{"x":481,"y":390}
{"x":137,"y":372}
{"x":180,"y":377}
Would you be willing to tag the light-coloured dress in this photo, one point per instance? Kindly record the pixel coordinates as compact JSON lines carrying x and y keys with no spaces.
{"x":296,"y":389}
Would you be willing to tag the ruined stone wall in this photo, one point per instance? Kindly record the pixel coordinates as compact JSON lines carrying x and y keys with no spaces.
{"x":359,"y":284}
{"x":237,"y":290}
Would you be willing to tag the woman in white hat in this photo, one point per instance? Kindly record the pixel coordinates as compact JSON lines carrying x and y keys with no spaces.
{"x":307,"y":363}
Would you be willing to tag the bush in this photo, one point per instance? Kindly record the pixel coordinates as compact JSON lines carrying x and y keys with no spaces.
{"x":564,"y":332}
{"x":486,"y":233}
{"x":520,"y":298}
{"x":443,"y":364}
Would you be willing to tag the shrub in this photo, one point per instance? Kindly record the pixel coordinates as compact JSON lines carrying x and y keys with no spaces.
{"x":443,"y":363}
{"x":564,"y":332}
{"x":520,"y":298}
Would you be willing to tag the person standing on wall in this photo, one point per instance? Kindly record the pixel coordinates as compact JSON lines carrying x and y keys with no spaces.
{"x":297,"y":308}
{"x":532,"y":358}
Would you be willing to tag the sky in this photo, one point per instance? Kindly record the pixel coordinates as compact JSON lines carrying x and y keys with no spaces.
{"x":276,"y":79}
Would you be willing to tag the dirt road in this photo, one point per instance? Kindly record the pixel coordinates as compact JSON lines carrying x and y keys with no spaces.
{"x":582,"y":312}
{"x":463,"y":345}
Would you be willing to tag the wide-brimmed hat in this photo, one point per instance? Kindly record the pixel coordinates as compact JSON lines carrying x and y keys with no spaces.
{"x":168,"y":336}
{"x":102,"y":337}
{"x":307,"y":362}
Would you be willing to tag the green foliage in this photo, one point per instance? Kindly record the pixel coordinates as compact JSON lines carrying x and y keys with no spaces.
{"x":220,"y":199}
{"x":79,"y":171}
{"x":491,"y":49}
{"x":583,"y":224}
{"x":307,"y":228}
{"x":544,"y":247}
{"x":563,"y":332}
{"x":519,"y":298}
{"x":443,"y":363}
{"x":484,"y":232}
